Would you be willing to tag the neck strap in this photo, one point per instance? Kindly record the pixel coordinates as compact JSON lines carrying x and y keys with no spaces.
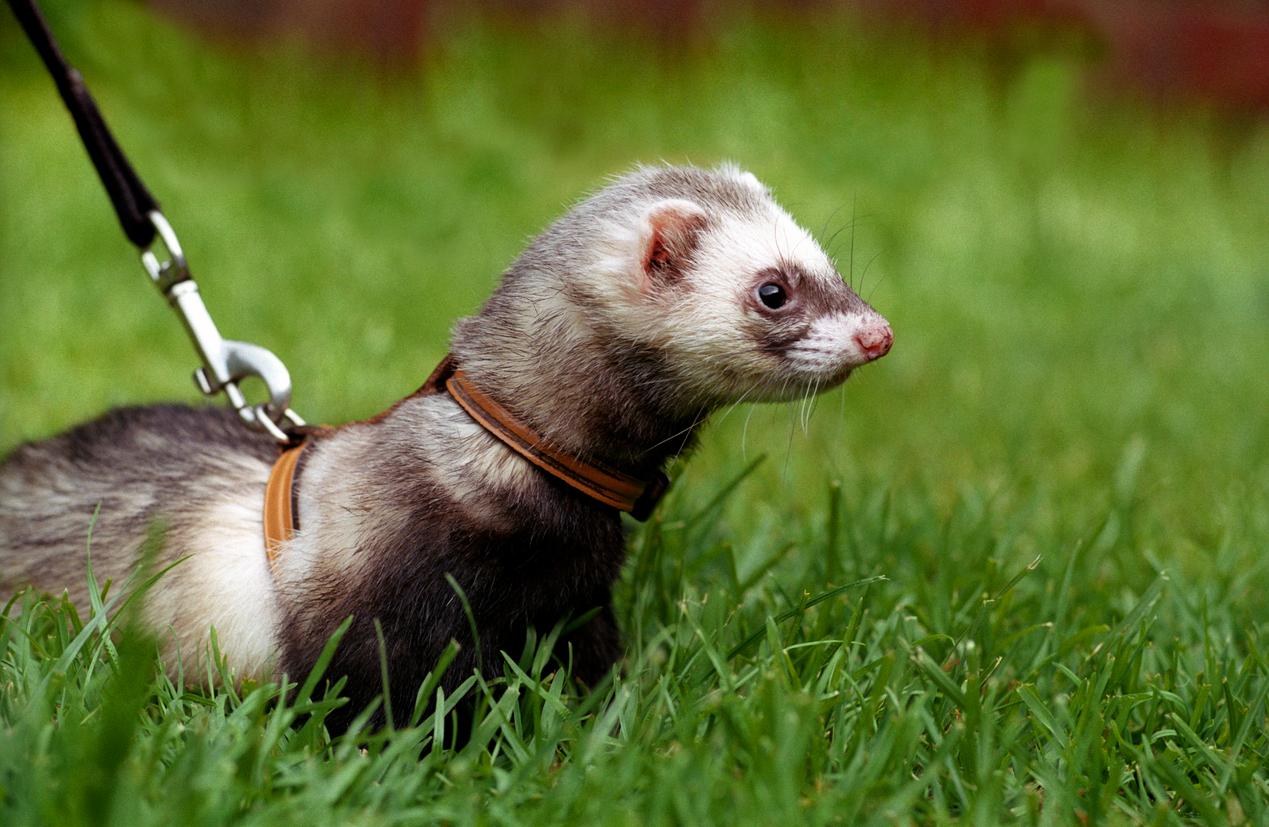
{"x":625,"y":492}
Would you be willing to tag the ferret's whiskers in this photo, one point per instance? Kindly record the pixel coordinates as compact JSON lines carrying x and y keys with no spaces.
{"x":841,"y":415}
{"x":727,"y":412}
{"x":880,"y":280}
{"x":652,"y":381}
{"x":733,"y":406}
{"x":744,"y":433}
{"x":809,"y":407}
{"x":851,"y":265}
{"x":700,"y":417}
{"x":824,"y":227}
{"x":784,"y":475}
{"x":832,"y":252}
{"x":788,"y":446}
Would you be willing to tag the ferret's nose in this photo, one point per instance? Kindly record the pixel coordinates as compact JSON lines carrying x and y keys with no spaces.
{"x":875,"y":340}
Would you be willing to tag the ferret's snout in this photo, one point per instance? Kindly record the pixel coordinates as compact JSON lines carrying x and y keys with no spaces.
{"x":875,"y":339}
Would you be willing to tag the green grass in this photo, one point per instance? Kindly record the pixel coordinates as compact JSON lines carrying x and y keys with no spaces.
{"x":1013,"y":573}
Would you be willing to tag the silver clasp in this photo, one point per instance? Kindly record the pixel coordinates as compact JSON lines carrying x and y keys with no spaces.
{"x":225,"y":362}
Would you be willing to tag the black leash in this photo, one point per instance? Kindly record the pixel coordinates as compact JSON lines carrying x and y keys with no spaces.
{"x":225,"y":362}
{"x":132,"y":201}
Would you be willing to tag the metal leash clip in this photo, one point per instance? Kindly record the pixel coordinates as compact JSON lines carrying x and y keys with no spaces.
{"x":225,"y":362}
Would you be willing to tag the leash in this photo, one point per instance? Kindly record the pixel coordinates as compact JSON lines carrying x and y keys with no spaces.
{"x":225,"y":362}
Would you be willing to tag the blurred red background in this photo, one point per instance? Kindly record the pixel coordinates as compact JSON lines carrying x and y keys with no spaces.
{"x":1216,"y":51}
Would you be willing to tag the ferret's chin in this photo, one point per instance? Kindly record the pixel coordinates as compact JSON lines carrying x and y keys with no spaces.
{"x":821,"y":382}
{"x":800,"y":384}
{"x":836,"y":377}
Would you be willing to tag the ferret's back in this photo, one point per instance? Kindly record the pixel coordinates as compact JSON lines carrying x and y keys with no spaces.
{"x":134,"y":468}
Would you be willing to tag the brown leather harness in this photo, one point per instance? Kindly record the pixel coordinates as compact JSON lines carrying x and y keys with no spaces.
{"x":608,"y":486}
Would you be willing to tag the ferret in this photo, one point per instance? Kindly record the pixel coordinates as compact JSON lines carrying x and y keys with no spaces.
{"x":663,"y":296}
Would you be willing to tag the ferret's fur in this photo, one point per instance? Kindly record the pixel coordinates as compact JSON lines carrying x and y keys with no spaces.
{"x":613,"y":335}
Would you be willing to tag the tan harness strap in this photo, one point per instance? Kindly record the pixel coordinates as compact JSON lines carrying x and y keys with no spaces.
{"x":279,"y":509}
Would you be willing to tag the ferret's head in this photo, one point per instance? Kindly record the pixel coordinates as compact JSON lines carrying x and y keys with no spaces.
{"x":669,"y":292}
{"x":706,"y":269}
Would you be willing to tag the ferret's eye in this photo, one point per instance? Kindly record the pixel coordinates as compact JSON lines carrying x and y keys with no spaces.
{"x":772,"y":295}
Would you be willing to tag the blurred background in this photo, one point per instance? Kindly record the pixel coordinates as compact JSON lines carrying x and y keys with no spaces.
{"x":1061,"y":205}
{"x":1215,"y":51}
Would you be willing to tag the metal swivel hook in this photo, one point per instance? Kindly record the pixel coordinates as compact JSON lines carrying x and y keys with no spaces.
{"x":225,"y":362}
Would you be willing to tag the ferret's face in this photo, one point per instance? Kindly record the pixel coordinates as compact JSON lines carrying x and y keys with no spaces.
{"x":747,"y":304}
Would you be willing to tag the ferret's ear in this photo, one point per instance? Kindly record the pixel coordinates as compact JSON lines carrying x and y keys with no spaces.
{"x":747,"y":178}
{"x":671,"y":235}
{"x":752,"y":180}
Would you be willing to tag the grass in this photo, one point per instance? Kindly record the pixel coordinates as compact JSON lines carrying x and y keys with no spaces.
{"x":1013,"y":573}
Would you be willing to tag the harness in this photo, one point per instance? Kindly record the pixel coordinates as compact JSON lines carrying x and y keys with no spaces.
{"x":635,"y":495}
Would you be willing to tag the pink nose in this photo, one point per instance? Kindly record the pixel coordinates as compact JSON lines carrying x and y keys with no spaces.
{"x":875,"y":341}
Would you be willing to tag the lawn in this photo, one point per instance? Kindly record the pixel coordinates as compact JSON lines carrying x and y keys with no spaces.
{"x":1013,"y":573}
